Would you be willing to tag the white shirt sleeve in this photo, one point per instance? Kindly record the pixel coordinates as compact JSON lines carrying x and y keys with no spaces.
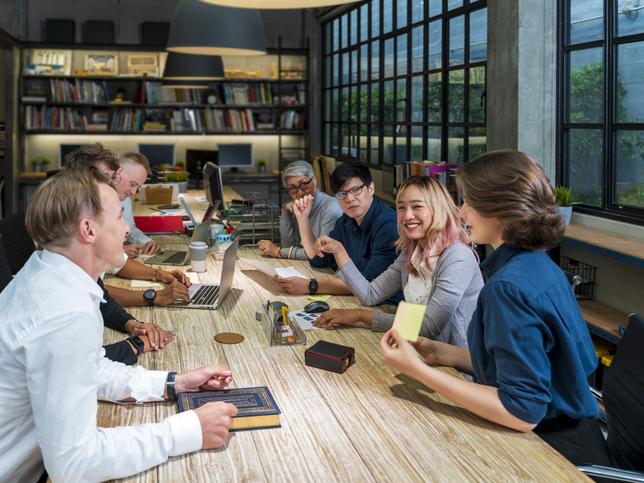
{"x":66,"y":374}
{"x":136,"y":235}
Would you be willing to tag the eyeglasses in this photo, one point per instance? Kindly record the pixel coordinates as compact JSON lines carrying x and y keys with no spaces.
{"x":301,"y":186}
{"x":355,"y":191}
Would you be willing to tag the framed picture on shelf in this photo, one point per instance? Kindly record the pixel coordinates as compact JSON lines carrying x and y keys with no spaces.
{"x":143,"y":65}
{"x":49,"y":62}
{"x":102,"y":63}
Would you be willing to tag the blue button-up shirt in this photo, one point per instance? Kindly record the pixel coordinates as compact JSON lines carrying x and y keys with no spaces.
{"x":529,"y":339}
{"x":370,"y":245}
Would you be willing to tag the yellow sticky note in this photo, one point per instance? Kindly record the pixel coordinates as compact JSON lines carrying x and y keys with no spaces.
{"x":319,"y":298}
{"x":409,"y":320}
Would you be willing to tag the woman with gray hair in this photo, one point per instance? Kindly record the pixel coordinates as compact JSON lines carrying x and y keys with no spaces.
{"x":300,"y":183}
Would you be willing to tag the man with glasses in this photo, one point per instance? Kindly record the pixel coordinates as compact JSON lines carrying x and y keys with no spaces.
{"x":367,"y":229}
{"x":321,"y":213}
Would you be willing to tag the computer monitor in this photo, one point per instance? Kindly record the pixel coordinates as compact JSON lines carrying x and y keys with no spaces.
{"x":235,"y":156}
{"x":214,"y":188}
{"x":158,"y":154}
{"x":65,"y":149}
{"x":196,"y":159}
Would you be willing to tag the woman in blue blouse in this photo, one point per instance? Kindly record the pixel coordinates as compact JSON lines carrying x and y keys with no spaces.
{"x":529,"y":347}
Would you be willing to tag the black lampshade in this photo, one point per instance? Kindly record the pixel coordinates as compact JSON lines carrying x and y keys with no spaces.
{"x":274,"y":4}
{"x":203,"y":29}
{"x":190,"y":67}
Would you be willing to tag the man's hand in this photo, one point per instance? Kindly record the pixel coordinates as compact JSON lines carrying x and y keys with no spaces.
{"x":178,"y":275}
{"x":399,"y":354}
{"x":207,"y":377}
{"x":157,"y":336}
{"x":302,"y":207}
{"x":151,"y":248}
{"x":294,"y":285}
{"x":132,"y":250}
{"x":215,"y":419}
{"x":331,"y":318}
{"x":269,"y":249}
{"x":174,"y":292}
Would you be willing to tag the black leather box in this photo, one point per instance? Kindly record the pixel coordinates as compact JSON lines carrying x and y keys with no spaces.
{"x":329,"y":356}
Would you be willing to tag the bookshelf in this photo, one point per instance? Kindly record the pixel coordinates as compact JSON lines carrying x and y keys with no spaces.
{"x":82,"y":94}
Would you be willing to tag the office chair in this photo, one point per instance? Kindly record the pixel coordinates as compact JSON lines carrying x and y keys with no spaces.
{"x":18,"y":245}
{"x":623,"y":391}
{"x":5,"y":269}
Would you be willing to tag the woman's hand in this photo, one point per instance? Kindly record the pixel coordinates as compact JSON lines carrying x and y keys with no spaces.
{"x":329,"y":319}
{"x":399,"y":354}
{"x":326,"y":244}
{"x":428,"y":350}
{"x":302,"y":207}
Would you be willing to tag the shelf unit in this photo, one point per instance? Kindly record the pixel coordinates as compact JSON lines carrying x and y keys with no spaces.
{"x":273,"y":100}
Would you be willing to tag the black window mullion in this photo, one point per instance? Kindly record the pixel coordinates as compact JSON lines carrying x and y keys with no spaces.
{"x":466,"y":89}
{"x":609,"y":103}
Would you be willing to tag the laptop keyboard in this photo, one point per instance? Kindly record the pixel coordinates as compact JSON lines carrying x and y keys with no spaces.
{"x":206,"y":295}
{"x":178,"y":257}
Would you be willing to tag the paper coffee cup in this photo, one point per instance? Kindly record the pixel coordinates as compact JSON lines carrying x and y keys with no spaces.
{"x":199,"y":256}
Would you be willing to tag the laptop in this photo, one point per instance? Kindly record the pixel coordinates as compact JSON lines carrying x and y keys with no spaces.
{"x":181,"y":257}
{"x":206,"y":296}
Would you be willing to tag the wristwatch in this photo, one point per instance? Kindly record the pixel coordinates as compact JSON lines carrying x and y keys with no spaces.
{"x":313,"y":286}
{"x":138,"y":344}
{"x":169,"y":386}
{"x":149,"y":295}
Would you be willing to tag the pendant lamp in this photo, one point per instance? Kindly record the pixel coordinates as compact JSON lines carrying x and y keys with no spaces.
{"x":199,"y":28}
{"x":190,"y":67}
{"x":274,"y":4}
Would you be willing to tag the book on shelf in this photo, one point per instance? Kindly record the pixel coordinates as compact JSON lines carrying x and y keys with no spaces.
{"x":174,"y":95}
{"x":250,"y":93}
{"x":78,"y":90}
{"x":41,"y":99}
{"x":293,"y":120}
{"x":47,"y":117}
{"x":256,"y":407}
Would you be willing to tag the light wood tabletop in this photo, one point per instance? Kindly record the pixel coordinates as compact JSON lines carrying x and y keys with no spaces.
{"x":368,"y":424}
{"x":195,"y":199}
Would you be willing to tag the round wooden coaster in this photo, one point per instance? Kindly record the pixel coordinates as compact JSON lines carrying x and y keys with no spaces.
{"x":229,"y":338}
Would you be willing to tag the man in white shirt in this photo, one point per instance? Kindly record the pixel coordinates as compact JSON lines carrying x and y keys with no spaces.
{"x":53,"y":366}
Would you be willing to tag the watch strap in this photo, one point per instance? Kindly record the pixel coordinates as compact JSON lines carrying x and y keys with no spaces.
{"x":138,"y":344}
{"x":169,"y":386}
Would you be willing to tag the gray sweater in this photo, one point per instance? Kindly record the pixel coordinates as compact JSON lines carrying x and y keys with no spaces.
{"x":456,"y":283}
{"x":326,"y":210}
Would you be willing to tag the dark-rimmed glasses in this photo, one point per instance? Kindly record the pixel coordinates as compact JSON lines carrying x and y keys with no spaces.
{"x":301,"y":186}
{"x":355,"y":191}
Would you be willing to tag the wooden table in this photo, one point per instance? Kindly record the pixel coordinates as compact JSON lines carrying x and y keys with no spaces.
{"x":368,"y":424}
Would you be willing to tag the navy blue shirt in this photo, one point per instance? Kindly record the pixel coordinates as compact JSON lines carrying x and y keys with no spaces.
{"x":529,"y":339}
{"x":370,"y":245}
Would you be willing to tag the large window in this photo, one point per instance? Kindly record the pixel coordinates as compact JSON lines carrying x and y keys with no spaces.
{"x":602,"y":106}
{"x":404,"y":80}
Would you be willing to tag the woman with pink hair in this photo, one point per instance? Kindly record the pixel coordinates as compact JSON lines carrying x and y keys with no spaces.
{"x":436,"y":267}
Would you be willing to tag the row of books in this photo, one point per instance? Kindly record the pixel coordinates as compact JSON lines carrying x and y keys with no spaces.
{"x":174,"y":95}
{"x":235,"y":94}
{"x":79,"y":90}
{"x":179,"y":120}
{"x":293,"y":120}
{"x":439,"y":169}
{"x":54,"y":118}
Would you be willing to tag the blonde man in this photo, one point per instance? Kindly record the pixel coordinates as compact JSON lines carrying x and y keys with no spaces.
{"x":50,"y":351}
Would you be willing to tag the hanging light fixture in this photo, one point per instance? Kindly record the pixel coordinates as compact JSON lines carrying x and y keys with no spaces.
{"x":192,"y":68}
{"x":199,"y":28}
{"x":274,"y":4}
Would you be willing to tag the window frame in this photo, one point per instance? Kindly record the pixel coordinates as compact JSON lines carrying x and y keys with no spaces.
{"x":335,"y":128}
{"x":609,"y":125}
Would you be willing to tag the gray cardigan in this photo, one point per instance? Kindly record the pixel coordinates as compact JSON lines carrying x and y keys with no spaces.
{"x":456,"y":283}
{"x":325,"y":212}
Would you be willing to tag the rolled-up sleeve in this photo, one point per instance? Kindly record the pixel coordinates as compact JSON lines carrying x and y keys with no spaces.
{"x":518,"y":340}
{"x":64,"y":386}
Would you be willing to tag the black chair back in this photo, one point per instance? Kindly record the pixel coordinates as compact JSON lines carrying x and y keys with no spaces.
{"x":5,"y":269}
{"x":623,"y":391}
{"x":18,"y":245}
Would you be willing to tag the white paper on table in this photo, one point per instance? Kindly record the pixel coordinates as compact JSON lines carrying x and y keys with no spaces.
{"x":289,"y":272}
{"x":263,"y":267}
{"x":177,"y":212}
{"x":201,"y":199}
